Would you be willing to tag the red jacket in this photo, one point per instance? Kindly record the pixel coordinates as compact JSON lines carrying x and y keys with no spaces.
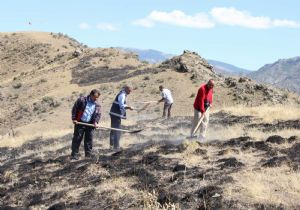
{"x":203,"y":95}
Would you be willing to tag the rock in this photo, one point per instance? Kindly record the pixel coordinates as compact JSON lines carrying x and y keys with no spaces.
{"x":230,"y":82}
{"x":243,"y":79}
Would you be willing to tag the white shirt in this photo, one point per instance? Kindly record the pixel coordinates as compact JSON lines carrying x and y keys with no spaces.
{"x":167,"y":95}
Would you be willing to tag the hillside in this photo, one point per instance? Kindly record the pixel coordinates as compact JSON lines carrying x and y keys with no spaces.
{"x":249,"y":161}
{"x":284,"y":73}
{"x":41,"y":79}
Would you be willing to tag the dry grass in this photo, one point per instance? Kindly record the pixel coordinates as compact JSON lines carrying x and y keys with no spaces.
{"x":267,"y":113}
{"x":268,"y":186}
{"x":149,"y":200}
{"x":228,"y":132}
{"x":9,"y":141}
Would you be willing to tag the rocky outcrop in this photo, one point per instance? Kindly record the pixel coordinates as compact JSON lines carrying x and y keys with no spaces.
{"x":190,"y":62}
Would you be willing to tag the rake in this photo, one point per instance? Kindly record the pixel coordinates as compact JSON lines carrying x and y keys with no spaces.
{"x":199,"y":122}
{"x":109,"y":128}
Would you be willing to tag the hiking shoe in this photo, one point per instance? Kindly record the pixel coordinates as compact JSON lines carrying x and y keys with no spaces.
{"x":74,"y":157}
{"x":118,"y":149}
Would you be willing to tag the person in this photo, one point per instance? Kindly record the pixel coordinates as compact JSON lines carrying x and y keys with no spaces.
{"x":117,"y":113}
{"x":168,"y":99}
{"x":86,"y":109}
{"x":203,"y":100}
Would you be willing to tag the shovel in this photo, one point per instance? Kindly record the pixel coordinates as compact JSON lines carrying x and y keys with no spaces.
{"x":199,"y":122}
{"x":109,"y":128}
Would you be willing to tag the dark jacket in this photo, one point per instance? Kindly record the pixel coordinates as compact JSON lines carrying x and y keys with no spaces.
{"x":116,"y":110}
{"x":79,"y":107}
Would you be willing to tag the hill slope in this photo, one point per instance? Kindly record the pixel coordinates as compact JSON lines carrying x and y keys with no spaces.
{"x":41,"y":78}
{"x":250,"y":161}
{"x":284,"y":73}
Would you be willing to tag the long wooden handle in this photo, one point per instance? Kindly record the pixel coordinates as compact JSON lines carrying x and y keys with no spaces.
{"x":146,"y":102}
{"x":109,"y":128}
{"x":199,"y":122}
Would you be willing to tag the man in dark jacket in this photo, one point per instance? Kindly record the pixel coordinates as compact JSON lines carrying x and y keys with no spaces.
{"x":87,"y":110}
{"x":203,"y":100}
{"x":118,"y":112}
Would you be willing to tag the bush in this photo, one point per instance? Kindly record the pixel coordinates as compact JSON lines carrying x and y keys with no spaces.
{"x":50,"y":101}
{"x":192,"y":95}
{"x":146,"y":78}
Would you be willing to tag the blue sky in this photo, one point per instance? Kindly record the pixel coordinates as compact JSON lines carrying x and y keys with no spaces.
{"x":246,"y":33}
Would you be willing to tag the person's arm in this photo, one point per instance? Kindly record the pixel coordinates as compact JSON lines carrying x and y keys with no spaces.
{"x":163,"y":97}
{"x":97,"y":115}
{"x":75,"y":110}
{"x":201,"y":100}
{"x":123,"y":106}
{"x":161,"y":100}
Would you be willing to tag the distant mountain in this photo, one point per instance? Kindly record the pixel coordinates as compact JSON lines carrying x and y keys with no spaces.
{"x":151,"y":56}
{"x":284,"y":73}
{"x":228,"y":69}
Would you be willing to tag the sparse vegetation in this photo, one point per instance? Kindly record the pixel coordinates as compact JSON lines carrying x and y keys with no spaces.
{"x":250,"y":159}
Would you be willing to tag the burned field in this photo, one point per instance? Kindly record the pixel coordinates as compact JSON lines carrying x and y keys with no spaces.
{"x":159,"y":168}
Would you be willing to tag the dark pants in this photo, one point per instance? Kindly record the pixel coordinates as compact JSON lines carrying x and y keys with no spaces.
{"x":79,"y":131}
{"x":115,"y":135}
{"x":167,"y":108}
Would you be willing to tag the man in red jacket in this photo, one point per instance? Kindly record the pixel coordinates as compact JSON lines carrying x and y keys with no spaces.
{"x":202,"y":102}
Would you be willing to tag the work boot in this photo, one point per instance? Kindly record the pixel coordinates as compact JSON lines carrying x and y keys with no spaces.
{"x":74,"y":157}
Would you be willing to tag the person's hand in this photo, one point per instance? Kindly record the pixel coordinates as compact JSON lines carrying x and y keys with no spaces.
{"x":96,"y":125}
{"x":75,"y":122}
{"x":130,"y":108}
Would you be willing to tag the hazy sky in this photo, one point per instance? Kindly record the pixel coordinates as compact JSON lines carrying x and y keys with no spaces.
{"x":246,"y":33}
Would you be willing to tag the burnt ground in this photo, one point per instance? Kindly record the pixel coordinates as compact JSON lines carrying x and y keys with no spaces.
{"x":39,"y":174}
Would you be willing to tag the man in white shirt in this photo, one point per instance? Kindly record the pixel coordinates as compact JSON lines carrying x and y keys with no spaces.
{"x":168,"y":99}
